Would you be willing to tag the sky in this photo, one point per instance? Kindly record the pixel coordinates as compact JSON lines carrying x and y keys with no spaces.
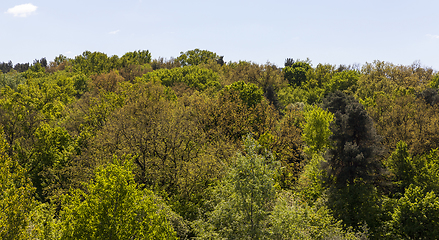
{"x":329,"y":32}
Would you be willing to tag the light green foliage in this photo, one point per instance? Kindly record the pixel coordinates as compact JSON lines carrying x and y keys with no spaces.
{"x":345,"y":81}
{"x":249,"y":93}
{"x":416,"y":215}
{"x":35,"y":71}
{"x":421,"y":170}
{"x":310,"y":184}
{"x":434,"y":83}
{"x":16,"y":196}
{"x":245,"y":196}
{"x":94,"y":63}
{"x":43,"y":223}
{"x":11,"y":79}
{"x":316,"y":130}
{"x":427,"y":170}
{"x":114,"y":207}
{"x":196,"y":56}
{"x":291,"y":95}
{"x":315,"y":134}
{"x":193,"y":76}
{"x":401,"y":166}
{"x":293,"y":219}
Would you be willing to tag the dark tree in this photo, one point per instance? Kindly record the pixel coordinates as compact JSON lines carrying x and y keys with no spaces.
{"x":352,"y":164}
{"x":356,"y":146}
{"x":42,"y":62}
{"x":289,"y":62}
{"x":6,"y":67}
{"x":429,"y":95}
{"x":271,"y":95}
{"x":220,"y":60}
{"x":21,"y":67}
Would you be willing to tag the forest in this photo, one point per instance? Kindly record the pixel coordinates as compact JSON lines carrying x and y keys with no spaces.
{"x":193,"y":147}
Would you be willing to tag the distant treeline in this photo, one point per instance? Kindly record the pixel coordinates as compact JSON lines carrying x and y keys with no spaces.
{"x":6,"y":67}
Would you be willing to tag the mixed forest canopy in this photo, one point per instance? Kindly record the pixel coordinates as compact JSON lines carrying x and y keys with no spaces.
{"x":194,"y":147}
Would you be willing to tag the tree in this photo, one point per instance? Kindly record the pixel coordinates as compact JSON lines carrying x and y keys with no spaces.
{"x":94,"y":63}
{"x":294,"y":219}
{"x":352,"y":164}
{"x":197,"y":56}
{"x":245,"y":195}
{"x":316,"y":130}
{"x":416,"y":215}
{"x":114,"y":207}
{"x":16,"y":196}
{"x":289,"y":62}
{"x":400,"y":165}
{"x":136,"y":57}
{"x":248,"y":93}
{"x":193,"y":76}
{"x":296,"y":73}
{"x":356,"y":146}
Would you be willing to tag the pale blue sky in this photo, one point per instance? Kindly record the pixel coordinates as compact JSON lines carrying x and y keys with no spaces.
{"x":334,"y":32}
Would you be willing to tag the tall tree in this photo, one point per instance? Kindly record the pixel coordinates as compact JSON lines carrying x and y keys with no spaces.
{"x":352,"y":163}
{"x":356,"y":146}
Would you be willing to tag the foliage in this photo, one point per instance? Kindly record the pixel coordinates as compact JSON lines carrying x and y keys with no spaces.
{"x":183,"y":119}
{"x":352,"y":164}
{"x":245,"y":195}
{"x":403,"y":117}
{"x":354,"y":140}
{"x":43,"y":224}
{"x":135,"y":58}
{"x":250,"y":94}
{"x":416,"y":215}
{"x":293,"y":219}
{"x":296,"y":73}
{"x":311,"y":182}
{"x":196,"y":57}
{"x":16,"y":198}
{"x":94,"y":63}
{"x":193,"y":76}
{"x":114,"y":207}
{"x":11,"y":79}
{"x":316,"y":130}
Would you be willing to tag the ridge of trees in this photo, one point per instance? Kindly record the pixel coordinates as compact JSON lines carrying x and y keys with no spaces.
{"x":107,"y":147}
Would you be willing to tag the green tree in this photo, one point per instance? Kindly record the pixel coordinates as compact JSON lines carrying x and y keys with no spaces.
{"x":114,"y":207}
{"x":94,"y":63}
{"x":296,"y":73}
{"x":316,"y":130}
{"x":193,"y":76}
{"x":294,"y":219}
{"x":16,"y":196}
{"x":416,"y":215}
{"x":11,"y":79}
{"x":245,"y":195}
{"x":248,"y":93}
{"x":196,"y":57}
{"x":136,"y":57}
{"x":400,"y":164}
